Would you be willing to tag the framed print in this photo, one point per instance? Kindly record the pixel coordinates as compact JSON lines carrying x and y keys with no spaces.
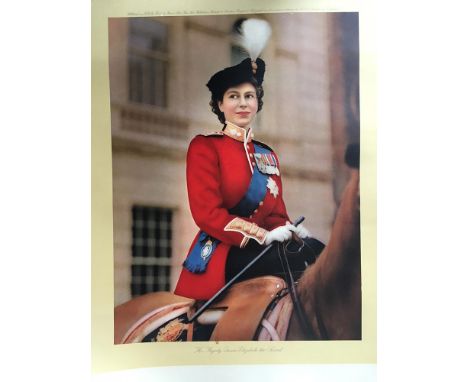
{"x":187,"y":189}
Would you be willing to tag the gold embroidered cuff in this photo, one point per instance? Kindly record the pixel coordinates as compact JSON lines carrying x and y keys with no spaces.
{"x":248,"y":229}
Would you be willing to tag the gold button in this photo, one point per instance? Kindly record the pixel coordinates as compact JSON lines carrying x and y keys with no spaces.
{"x":255,"y":211}
{"x":261,"y":203}
{"x":253,"y":163}
{"x":251,"y":155}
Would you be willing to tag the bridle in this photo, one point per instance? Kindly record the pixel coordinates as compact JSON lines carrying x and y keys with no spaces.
{"x":307,"y":330}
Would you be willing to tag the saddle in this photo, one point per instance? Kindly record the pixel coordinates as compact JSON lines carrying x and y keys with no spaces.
{"x":236,"y":316}
{"x":244,"y":306}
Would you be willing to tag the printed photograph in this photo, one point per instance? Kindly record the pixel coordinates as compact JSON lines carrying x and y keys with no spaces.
{"x":235,"y":177}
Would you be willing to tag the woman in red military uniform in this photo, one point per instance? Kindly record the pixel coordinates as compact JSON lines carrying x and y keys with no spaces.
{"x":235,"y":191}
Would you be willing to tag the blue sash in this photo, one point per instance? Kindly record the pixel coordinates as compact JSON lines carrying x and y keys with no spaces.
{"x":200,"y":255}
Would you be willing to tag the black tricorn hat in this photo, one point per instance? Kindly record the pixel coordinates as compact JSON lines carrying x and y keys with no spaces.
{"x":236,"y":75}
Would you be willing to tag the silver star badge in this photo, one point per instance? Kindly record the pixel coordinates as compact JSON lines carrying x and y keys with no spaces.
{"x":272,"y":186}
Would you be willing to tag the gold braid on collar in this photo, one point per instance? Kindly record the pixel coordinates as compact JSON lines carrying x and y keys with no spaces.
{"x":236,"y":132}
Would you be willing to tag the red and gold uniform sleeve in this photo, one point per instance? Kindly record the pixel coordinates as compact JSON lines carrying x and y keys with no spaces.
{"x":206,"y":201}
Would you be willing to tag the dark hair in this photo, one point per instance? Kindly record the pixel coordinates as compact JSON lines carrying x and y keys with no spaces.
{"x":216,"y":98}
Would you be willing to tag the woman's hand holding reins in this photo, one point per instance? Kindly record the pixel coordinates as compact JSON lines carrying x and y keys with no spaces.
{"x":280,"y":234}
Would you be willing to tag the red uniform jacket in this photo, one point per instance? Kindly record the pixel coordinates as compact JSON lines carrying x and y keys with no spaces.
{"x":218,"y":176}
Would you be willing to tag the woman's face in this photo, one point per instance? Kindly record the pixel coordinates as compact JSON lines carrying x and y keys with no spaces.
{"x":239,"y":104}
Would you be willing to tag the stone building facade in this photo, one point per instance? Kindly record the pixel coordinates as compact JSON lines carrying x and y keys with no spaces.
{"x":159,"y":102}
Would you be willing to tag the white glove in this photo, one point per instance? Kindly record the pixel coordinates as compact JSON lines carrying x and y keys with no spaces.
{"x":302,"y":231}
{"x":280,"y":234}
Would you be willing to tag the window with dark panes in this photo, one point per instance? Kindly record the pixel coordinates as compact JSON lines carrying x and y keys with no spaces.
{"x":148,"y":61}
{"x":151,"y":249}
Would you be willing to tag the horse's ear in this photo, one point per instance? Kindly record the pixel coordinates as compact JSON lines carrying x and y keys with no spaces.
{"x":352,"y":155}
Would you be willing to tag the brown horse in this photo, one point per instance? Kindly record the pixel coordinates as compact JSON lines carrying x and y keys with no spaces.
{"x":330,"y":289}
{"x":329,"y":292}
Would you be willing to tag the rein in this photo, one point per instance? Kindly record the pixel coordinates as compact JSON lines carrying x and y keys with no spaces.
{"x":298,"y":308}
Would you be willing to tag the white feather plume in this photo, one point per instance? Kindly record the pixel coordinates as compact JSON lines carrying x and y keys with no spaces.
{"x":253,"y":37}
